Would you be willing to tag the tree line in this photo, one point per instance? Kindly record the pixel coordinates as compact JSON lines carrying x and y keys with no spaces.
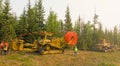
{"x":32,"y":20}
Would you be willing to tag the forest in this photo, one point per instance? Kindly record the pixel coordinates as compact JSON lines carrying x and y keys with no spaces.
{"x":32,"y":20}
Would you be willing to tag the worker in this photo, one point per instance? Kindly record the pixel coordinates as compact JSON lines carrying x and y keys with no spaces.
{"x":75,"y":50}
{"x":4,"y":47}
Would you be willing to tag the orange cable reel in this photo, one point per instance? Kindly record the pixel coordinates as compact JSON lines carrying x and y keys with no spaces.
{"x":71,"y":38}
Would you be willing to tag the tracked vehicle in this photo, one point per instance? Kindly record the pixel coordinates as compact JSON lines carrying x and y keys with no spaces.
{"x":104,"y":46}
{"x":45,"y":44}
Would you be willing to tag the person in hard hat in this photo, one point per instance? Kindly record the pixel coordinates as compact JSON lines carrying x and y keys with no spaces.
{"x":4,"y":47}
{"x":75,"y":50}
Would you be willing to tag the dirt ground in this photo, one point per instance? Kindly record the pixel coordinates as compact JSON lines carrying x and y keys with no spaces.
{"x":83,"y":58}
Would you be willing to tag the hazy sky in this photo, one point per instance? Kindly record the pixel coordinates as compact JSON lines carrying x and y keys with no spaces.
{"x":108,"y":10}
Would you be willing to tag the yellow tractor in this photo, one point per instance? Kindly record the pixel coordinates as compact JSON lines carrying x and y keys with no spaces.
{"x":104,"y":46}
{"x":45,"y":44}
{"x":48,"y":44}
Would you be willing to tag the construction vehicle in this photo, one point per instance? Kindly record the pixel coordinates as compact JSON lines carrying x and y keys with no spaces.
{"x":45,"y":44}
{"x":104,"y":46}
{"x":48,"y":44}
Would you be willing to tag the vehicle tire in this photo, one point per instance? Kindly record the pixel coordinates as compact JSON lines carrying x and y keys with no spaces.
{"x":41,"y":50}
{"x":104,"y":49}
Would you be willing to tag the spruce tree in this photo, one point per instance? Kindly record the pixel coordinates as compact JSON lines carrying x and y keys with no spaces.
{"x":86,"y":42}
{"x":29,"y":17}
{"x":40,"y":15}
{"x":115,"y":35}
{"x":100,"y":32}
{"x":23,"y":24}
{"x":31,"y":25}
{"x":77,"y":28}
{"x":52,"y":24}
{"x":8,"y":30}
{"x":68,"y":24}
{"x":95,"y":35}
{"x":61,"y":28}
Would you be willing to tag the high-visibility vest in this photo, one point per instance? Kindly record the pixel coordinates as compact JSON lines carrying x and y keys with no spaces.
{"x":4,"y":45}
{"x":5,"y":48}
{"x":76,"y":49}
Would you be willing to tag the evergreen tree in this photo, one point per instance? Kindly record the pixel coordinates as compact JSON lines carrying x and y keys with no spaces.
{"x":77,"y":28}
{"x":106,"y":34}
{"x":61,"y":28}
{"x":95,"y":35}
{"x":40,"y":15}
{"x":52,"y":24}
{"x":100,"y":32}
{"x":110,"y":37}
{"x":30,"y":23}
{"x":8,"y":30}
{"x":86,"y":42}
{"x":30,"y":18}
{"x":68,"y":24}
{"x":23,"y":24}
{"x":115,"y":35}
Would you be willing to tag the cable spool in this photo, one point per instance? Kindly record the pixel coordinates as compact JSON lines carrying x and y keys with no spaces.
{"x":71,"y":38}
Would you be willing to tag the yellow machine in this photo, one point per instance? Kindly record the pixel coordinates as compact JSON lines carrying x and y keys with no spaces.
{"x":48,"y":44}
{"x":103,"y":45}
{"x":45,"y":44}
{"x":19,"y":45}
